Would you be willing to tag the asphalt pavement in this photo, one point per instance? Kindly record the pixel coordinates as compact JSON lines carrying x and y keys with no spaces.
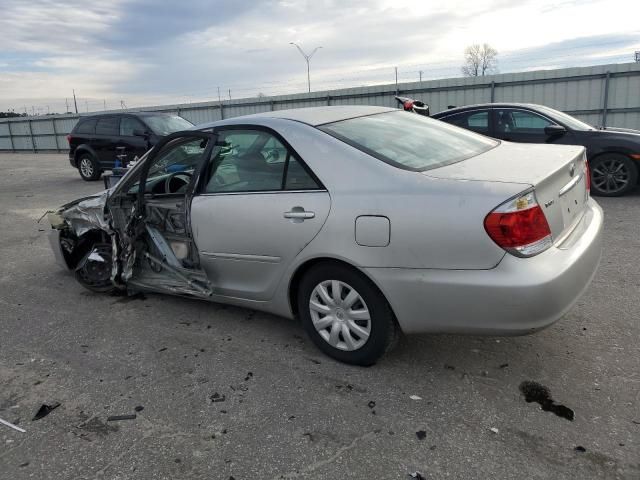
{"x":225,"y":392}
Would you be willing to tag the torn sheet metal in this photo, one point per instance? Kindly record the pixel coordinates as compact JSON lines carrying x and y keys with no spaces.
{"x":83,"y":216}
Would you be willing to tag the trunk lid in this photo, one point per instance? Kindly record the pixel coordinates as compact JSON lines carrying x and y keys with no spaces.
{"x":556,"y":172}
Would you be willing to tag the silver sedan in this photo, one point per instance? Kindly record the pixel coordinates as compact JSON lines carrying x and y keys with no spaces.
{"x":363,"y":222}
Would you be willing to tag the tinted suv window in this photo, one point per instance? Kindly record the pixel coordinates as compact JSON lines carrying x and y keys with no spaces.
{"x":128,"y":125}
{"x":408,"y":141}
{"x":108,"y":126}
{"x":255,"y":161}
{"x":478,"y":121}
{"x":86,"y":126}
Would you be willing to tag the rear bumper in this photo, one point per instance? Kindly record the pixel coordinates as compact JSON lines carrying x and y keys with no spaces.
{"x":72,"y":160}
{"x":519,"y":296}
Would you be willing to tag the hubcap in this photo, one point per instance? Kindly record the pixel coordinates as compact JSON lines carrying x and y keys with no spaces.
{"x":340,"y":315}
{"x":86,"y":167}
{"x":610,"y":176}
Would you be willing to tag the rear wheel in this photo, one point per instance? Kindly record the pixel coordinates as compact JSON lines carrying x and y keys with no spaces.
{"x":88,"y":167}
{"x":612,"y":175}
{"x":345,"y":315}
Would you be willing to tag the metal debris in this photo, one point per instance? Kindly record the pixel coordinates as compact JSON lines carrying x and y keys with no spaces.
{"x":494,"y":429}
{"x":117,"y":418}
{"x":11,"y":425}
{"x":45,"y":410}
{"x":415,"y":397}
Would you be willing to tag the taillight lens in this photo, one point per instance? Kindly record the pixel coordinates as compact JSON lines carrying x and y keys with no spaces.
{"x":519,"y":226}
{"x":69,"y":139}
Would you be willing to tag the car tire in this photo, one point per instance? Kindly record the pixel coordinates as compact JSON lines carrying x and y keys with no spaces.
{"x":345,"y":314}
{"x":94,"y":270}
{"x":612,"y":175}
{"x":88,"y":167}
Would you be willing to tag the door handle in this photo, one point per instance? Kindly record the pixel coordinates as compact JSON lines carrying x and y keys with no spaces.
{"x":299,"y":214}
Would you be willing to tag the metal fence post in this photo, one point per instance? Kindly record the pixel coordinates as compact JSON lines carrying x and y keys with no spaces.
{"x":33,"y":140}
{"x":605,"y":101}
{"x":328,"y":100}
{"x":55,"y":134}
{"x":13,"y":148}
{"x":271,"y":105}
{"x":493,"y":92}
{"x":221,"y":111}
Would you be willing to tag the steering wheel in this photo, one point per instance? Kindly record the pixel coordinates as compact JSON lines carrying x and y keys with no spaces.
{"x":167,"y":182}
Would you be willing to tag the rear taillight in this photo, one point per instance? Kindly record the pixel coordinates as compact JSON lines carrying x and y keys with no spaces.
{"x":69,"y":139}
{"x":519,"y":226}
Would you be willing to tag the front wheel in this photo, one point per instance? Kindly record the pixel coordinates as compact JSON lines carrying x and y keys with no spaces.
{"x":88,"y":167}
{"x":345,"y":315}
{"x":613,"y":175}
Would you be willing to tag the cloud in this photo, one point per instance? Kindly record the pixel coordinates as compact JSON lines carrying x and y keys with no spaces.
{"x":146,"y":51}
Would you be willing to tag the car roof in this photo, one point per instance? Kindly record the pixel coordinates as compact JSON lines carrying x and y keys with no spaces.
{"x":313,"y":116}
{"x":136,"y":114}
{"x":485,"y":105}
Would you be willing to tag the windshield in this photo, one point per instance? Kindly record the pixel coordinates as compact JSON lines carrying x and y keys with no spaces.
{"x":409,"y":141}
{"x":165,"y":124}
{"x":571,"y":122}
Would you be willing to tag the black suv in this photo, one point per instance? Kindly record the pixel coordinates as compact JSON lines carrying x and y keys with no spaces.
{"x":96,"y":140}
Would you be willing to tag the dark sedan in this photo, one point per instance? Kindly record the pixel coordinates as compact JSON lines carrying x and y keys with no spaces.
{"x":613,"y":153}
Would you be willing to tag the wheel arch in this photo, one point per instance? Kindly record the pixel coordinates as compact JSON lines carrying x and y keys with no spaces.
{"x":308,"y":264}
{"x":84,"y":148}
{"x":617,"y":151}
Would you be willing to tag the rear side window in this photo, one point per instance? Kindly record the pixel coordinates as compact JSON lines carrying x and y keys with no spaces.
{"x":86,"y":126}
{"x":478,"y":121}
{"x":108,"y":126}
{"x":128,"y":125}
{"x":409,"y":141}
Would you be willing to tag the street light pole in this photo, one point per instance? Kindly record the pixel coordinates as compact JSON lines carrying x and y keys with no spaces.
{"x":307,"y":59}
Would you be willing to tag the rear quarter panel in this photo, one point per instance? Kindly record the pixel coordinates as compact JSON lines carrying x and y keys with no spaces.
{"x":435,"y":223}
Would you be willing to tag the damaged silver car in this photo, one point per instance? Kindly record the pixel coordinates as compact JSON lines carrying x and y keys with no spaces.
{"x":363,"y":222}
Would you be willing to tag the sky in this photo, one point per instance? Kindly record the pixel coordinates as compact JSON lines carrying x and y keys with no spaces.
{"x":154,"y":52}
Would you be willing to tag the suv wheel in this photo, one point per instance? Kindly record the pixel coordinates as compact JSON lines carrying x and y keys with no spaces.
{"x":88,"y":167}
{"x":345,"y":315}
{"x":613,"y":175}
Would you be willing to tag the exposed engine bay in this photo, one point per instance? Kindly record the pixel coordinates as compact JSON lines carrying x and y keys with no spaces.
{"x":126,"y":240}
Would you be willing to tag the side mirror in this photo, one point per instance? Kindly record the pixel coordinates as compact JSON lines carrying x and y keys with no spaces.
{"x":140,"y":133}
{"x":554,"y":130}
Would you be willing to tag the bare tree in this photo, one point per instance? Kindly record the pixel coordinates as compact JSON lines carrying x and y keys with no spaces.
{"x":480,"y":60}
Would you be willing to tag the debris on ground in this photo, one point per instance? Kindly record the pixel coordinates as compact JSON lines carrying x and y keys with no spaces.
{"x":494,"y":430}
{"x":117,"y":418}
{"x":216,"y":397}
{"x":449,"y":367}
{"x":45,"y":410}
{"x":504,"y":365}
{"x":371,"y":404}
{"x":139,"y":408}
{"x":415,"y":397}
{"x":421,"y":434}
{"x":417,"y":475}
{"x":535,"y":392}
{"x":248,"y":377}
{"x":11,"y":425}
{"x":580,"y":449}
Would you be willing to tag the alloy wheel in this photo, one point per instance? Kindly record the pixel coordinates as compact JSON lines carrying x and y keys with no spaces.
{"x":340,"y":315}
{"x":611,"y":176}
{"x":86,"y":167}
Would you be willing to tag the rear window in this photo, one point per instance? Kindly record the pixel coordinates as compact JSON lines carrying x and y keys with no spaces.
{"x":409,"y":141}
{"x":86,"y":126}
{"x":108,"y":126}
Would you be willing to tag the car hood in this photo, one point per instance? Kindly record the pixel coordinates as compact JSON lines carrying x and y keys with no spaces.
{"x":629,"y":131}
{"x":83,"y":214}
